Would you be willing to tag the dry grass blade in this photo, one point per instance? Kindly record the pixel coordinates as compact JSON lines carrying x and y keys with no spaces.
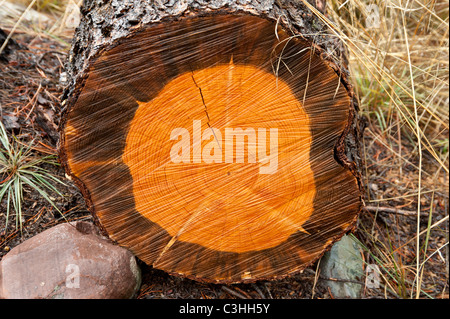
{"x":15,"y":26}
{"x":399,"y":58}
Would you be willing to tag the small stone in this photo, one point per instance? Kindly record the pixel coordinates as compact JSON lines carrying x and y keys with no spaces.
{"x":344,"y":263}
{"x":69,"y":261}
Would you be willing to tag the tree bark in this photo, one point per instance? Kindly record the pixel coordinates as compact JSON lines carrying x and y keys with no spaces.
{"x":132,"y":61}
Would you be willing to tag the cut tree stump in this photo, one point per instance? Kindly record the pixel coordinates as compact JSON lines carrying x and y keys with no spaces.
{"x":217,"y":140}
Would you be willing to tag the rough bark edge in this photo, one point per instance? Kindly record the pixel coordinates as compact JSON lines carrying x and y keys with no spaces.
{"x":100,"y":28}
{"x":302,"y":23}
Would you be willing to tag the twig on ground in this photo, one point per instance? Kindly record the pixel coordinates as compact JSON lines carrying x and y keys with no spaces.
{"x":234,"y":293}
{"x":268,"y":291}
{"x":258,"y":291}
{"x":392,"y":210}
{"x":39,"y":60}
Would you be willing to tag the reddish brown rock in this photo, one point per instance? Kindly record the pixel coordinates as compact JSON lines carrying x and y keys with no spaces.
{"x":69,"y":261}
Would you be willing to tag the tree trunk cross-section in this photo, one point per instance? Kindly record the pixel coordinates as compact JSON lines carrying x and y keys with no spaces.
{"x":217,"y":140}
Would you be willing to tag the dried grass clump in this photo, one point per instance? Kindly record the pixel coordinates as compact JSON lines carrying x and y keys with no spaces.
{"x":399,"y":58}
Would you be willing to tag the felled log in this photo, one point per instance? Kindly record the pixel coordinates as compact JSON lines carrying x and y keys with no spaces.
{"x":217,"y":140}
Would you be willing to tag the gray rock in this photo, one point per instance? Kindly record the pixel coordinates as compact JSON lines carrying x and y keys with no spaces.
{"x":343,"y":262}
{"x":69,"y":261}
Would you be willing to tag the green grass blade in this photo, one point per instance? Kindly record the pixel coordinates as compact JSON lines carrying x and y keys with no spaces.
{"x":8,"y":201}
{"x":17,"y":201}
{"x":4,"y":189}
{"x":40,"y":191}
{"x":41,"y":179}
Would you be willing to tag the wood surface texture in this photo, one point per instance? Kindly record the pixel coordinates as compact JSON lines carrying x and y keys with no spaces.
{"x":222,"y":211}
